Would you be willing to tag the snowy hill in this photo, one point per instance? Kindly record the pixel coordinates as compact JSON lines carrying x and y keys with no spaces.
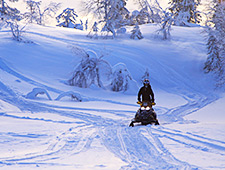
{"x":38,"y":133}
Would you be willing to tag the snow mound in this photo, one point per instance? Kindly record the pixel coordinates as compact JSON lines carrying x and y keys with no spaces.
{"x":74,"y":96}
{"x":36,"y":91}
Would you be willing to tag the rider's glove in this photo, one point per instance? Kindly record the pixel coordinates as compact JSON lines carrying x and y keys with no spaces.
{"x":138,"y":102}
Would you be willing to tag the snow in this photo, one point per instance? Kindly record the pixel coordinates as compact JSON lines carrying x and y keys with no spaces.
{"x":37,"y":133}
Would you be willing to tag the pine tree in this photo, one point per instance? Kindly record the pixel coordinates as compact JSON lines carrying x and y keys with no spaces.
{"x":185,"y":11}
{"x":94,"y":31}
{"x":67,"y":18}
{"x":215,"y":62}
{"x":136,"y":33}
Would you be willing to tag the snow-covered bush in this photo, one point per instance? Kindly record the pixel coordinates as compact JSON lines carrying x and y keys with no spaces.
{"x":74,"y":96}
{"x":92,"y":69}
{"x":136,"y":33}
{"x":36,"y":91}
{"x":121,"y":79}
{"x":16,"y":30}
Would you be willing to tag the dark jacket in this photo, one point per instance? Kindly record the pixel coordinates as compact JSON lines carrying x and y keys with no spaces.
{"x":146,"y":93}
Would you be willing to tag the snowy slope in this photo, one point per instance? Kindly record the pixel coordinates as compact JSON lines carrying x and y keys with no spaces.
{"x":94,"y":134}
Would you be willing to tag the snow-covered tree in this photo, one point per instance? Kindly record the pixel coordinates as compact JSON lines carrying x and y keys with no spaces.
{"x":9,"y":17}
{"x":216,"y":43}
{"x":185,"y":11}
{"x":146,"y":75}
{"x":48,"y":11}
{"x":144,"y":16}
{"x":16,"y":30}
{"x":121,"y":78}
{"x":67,"y":18}
{"x":94,"y":31}
{"x":136,"y":33}
{"x":149,"y":13}
{"x":33,"y":10}
{"x":165,"y":25}
{"x":134,"y":18}
{"x":35,"y":14}
{"x":112,"y":13}
{"x":91,"y":70}
{"x":8,"y":13}
{"x":86,"y":24}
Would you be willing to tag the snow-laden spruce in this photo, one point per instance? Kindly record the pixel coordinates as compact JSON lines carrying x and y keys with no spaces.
{"x":136,"y":33}
{"x":68,"y":18}
{"x":216,"y":43}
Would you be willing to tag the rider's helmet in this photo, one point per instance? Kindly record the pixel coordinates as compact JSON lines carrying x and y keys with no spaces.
{"x":146,"y":82}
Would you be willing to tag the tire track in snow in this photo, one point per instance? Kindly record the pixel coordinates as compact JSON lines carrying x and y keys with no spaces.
{"x":204,"y":144}
{"x":134,"y":148}
{"x":65,"y":145}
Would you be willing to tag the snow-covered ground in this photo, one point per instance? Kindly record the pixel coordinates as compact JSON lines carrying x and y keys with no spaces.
{"x":38,"y":133}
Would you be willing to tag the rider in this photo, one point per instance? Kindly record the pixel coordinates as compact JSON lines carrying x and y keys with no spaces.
{"x":146,"y":92}
{"x":147,"y":95}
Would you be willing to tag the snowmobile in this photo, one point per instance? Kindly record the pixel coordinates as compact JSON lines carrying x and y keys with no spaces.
{"x":145,"y":114}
